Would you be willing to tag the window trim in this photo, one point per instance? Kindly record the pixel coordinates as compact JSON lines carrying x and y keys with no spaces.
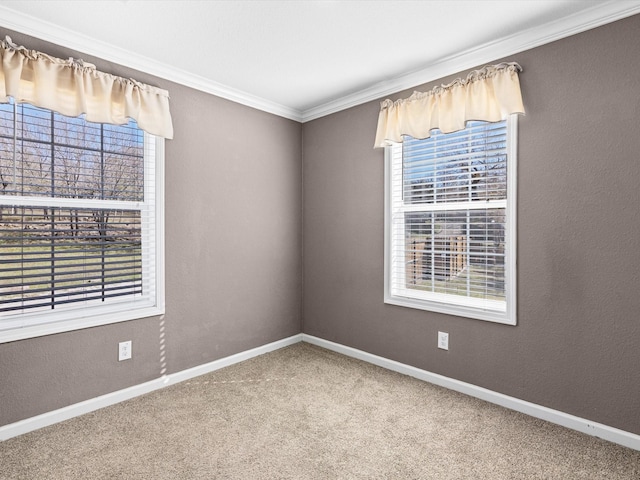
{"x":508,"y":317}
{"x":88,"y":317}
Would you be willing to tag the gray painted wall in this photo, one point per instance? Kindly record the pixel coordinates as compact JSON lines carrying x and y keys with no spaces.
{"x":234,"y":246}
{"x":233,"y":257}
{"x":576,"y":345}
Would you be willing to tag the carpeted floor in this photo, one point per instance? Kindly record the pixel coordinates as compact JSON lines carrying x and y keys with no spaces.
{"x":307,"y":413}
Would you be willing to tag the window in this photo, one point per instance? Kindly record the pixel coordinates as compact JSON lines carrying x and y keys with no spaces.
{"x":450,"y":222}
{"x":80,"y":222}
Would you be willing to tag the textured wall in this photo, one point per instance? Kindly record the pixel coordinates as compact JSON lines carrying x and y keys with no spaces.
{"x":233,"y":247}
{"x":233,"y":257}
{"x":575,"y":347}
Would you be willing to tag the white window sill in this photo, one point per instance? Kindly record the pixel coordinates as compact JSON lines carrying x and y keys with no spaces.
{"x":497,"y":316}
{"x":60,"y":326}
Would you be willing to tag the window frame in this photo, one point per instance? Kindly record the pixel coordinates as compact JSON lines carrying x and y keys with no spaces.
{"x":509,"y":315}
{"x":69,"y":319}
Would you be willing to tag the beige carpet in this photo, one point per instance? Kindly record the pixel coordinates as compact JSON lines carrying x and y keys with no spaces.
{"x":306,"y":413}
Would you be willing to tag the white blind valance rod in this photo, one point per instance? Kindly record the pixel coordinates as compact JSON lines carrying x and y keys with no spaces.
{"x":73,"y":87}
{"x":489,"y":94}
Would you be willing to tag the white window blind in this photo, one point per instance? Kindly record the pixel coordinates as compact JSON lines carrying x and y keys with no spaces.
{"x":78,"y":222}
{"x":450,"y":217}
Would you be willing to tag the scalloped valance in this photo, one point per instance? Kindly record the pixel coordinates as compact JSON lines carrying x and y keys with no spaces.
{"x":73,"y":87}
{"x":489,"y":94}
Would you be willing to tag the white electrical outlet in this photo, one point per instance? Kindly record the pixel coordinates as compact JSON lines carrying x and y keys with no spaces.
{"x":124,"y":350}
{"x":443,"y":340}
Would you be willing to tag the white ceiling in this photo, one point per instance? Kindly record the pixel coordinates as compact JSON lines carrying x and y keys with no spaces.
{"x":303,"y":59}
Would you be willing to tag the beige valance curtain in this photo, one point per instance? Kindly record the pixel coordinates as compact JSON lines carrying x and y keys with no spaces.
{"x":73,"y":87}
{"x":489,"y":94}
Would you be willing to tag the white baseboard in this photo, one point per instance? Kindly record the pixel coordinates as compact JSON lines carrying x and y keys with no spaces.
{"x":30,"y":424}
{"x":595,"y":429}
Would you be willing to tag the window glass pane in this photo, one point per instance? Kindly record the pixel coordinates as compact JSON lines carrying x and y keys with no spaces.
{"x":55,"y":256}
{"x":27,"y":170}
{"x":457,"y":167}
{"x":50,"y":155}
{"x":123,"y":176}
{"x":33,"y":123}
{"x":458,"y":253}
{"x":76,"y":173}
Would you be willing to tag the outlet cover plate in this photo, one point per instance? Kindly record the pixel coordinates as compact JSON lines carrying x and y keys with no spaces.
{"x":124,"y":350}
{"x":443,"y":340}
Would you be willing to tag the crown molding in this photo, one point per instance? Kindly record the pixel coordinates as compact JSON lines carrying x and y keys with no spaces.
{"x":50,"y":32}
{"x":588,"y":19}
{"x":599,"y":14}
